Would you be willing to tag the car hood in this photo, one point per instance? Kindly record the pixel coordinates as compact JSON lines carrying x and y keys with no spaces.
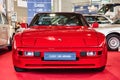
{"x":59,"y":37}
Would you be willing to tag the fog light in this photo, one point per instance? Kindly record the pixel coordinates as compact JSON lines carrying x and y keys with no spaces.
{"x":91,"y":53}
{"x":83,"y":53}
{"x":29,"y":53}
{"x":37,"y":54}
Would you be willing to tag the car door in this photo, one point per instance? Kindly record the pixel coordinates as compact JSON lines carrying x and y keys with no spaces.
{"x":3,"y":30}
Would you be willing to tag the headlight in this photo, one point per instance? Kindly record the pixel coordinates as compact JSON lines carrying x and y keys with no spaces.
{"x":91,"y":53}
{"x":29,"y":53}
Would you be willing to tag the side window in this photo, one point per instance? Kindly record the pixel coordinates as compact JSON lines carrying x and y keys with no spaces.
{"x":5,"y":19}
{"x":102,"y":20}
{"x":112,"y":9}
{"x":0,"y":19}
{"x":117,"y":22}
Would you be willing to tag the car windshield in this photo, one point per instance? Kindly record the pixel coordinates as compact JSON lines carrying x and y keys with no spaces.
{"x":58,"y":19}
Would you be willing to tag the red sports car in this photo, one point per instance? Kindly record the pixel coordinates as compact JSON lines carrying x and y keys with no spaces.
{"x":59,"y":40}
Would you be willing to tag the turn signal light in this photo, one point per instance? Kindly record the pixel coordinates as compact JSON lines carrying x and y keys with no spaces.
{"x":83,"y":54}
{"x":36,"y":54}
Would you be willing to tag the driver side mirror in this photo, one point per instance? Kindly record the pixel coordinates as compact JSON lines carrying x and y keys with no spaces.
{"x":24,"y":25}
{"x":95,"y":25}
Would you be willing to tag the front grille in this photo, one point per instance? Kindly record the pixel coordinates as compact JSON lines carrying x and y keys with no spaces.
{"x":37,"y":65}
{"x":77,"y":59}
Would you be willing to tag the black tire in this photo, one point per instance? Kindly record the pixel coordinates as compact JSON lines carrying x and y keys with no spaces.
{"x":99,"y":69}
{"x":113,"y":42}
{"x":17,"y":69}
{"x":9,"y":48}
{"x":10,"y":45}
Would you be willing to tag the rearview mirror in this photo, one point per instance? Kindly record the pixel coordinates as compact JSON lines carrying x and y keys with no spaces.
{"x":95,"y":25}
{"x":24,"y":25}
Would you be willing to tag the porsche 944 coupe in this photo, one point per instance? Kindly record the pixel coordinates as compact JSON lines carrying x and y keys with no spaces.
{"x":59,"y":40}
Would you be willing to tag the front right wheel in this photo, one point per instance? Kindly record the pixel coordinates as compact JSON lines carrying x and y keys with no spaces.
{"x":10,"y":44}
{"x":113,"y":42}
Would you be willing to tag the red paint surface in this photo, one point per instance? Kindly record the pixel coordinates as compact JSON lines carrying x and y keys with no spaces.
{"x":61,"y":38}
{"x":111,"y":72}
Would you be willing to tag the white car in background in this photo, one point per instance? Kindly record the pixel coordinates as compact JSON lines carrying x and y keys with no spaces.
{"x":6,"y":32}
{"x":111,"y":29}
{"x":101,"y":19}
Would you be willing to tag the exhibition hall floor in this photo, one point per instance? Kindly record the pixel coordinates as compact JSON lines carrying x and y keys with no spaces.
{"x":111,"y":72}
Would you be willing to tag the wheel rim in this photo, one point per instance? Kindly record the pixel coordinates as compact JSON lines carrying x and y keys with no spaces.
{"x":113,"y":42}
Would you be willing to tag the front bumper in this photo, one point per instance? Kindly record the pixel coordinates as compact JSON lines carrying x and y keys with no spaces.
{"x":81,"y":62}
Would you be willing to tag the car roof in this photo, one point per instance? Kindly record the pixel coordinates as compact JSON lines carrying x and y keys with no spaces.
{"x":59,"y":13}
{"x":93,"y":15}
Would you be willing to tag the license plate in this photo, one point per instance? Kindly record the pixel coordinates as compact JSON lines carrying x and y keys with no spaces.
{"x":59,"y":56}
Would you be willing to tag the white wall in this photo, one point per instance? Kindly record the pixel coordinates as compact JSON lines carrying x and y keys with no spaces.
{"x":67,"y":5}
